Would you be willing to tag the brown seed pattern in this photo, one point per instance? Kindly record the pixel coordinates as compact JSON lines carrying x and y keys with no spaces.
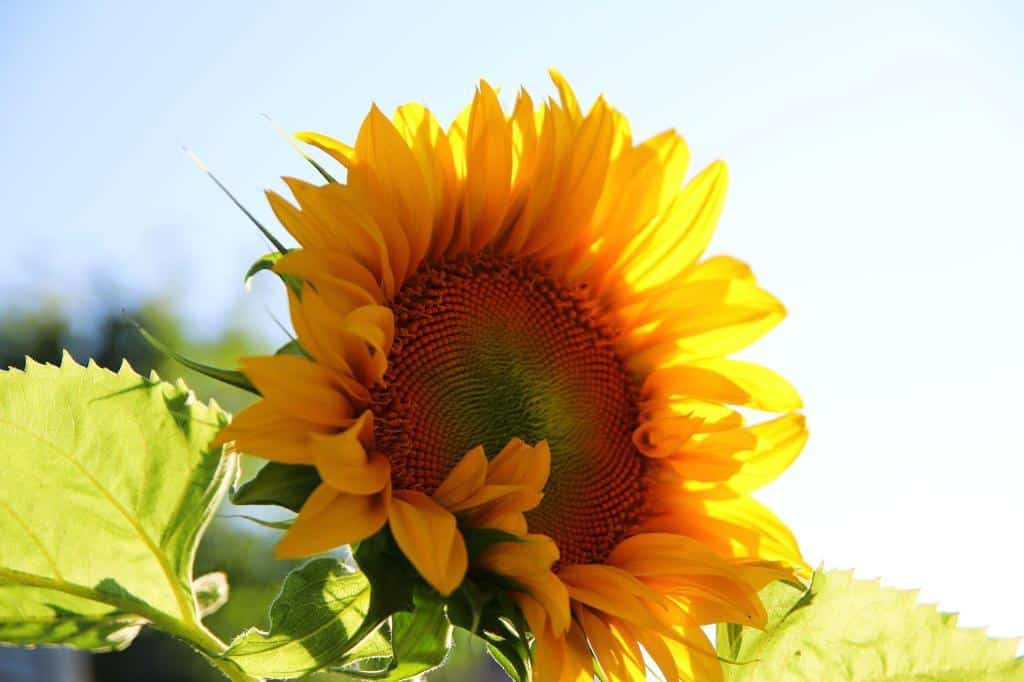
{"x":488,"y":348}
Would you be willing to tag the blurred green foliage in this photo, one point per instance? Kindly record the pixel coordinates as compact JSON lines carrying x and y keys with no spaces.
{"x":238,"y":547}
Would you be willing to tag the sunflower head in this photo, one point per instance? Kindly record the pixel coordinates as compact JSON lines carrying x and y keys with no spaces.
{"x":512,"y":365}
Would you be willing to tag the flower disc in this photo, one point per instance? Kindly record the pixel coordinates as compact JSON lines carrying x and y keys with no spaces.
{"x":492,"y":348}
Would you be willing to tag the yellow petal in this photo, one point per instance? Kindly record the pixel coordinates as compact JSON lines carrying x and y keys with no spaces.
{"x":607,"y":649}
{"x":433,"y":152}
{"x":528,"y":562}
{"x":340,"y":151}
{"x":521,"y":464}
{"x":463,"y":481}
{"x":679,"y":236}
{"x":566,"y":94}
{"x":330,"y":519}
{"x":694,"y":657}
{"x":728,"y":381}
{"x":388,"y":172}
{"x":488,"y":182}
{"x":343,"y":463}
{"x":578,"y":665}
{"x":549,"y":650}
{"x":776,"y":444}
{"x":351,"y":235}
{"x":758,"y":574}
{"x":263,"y":430}
{"x":641,"y":182}
{"x":362,"y":479}
{"x":647,"y":554}
{"x":298,"y":387}
{"x":426,"y":533}
{"x":741,"y":527}
{"x":609,"y":589}
{"x":304,"y":232}
{"x":513,"y":485}
{"x":324,"y":271}
{"x":665,"y":436}
{"x":568,"y":220}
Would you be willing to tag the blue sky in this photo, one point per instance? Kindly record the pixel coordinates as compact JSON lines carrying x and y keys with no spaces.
{"x":874,"y":153}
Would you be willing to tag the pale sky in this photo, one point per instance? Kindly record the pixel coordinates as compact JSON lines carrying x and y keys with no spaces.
{"x":876,"y":188}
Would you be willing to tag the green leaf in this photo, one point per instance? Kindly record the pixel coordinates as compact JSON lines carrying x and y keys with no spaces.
{"x":857,"y":631}
{"x":108,"y":482}
{"x":318,"y":620}
{"x":284,"y":485}
{"x":31,"y":616}
{"x":421,"y":639}
{"x":371,"y":658}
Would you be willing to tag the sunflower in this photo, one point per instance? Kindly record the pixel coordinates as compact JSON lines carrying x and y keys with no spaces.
{"x":528,"y":287}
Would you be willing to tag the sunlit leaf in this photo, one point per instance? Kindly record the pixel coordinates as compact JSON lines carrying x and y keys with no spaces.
{"x":421,"y":639}
{"x":108,"y":482}
{"x":856,"y":631}
{"x":317,"y":621}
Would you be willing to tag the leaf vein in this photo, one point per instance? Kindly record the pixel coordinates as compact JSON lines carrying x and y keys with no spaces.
{"x":35,"y":540}
{"x":183,"y":603}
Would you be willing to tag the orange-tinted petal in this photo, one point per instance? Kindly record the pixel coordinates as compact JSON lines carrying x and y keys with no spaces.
{"x":330,"y":519}
{"x":299,"y":387}
{"x":426,"y":533}
{"x":464,"y":481}
{"x":263,"y":430}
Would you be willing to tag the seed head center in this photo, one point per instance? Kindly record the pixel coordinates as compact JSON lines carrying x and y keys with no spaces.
{"x":488,"y":348}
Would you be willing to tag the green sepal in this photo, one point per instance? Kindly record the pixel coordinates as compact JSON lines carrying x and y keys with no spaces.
{"x":248,"y":214}
{"x":465,"y":606}
{"x":283,"y":485}
{"x":294,"y":145}
{"x":394,"y":579}
{"x":505,"y":630}
{"x":479,"y":539}
{"x":509,"y":655}
{"x":483,"y":607}
{"x":264,"y":262}
{"x":232,"y":377}
{"x":273,"y":525}
{"x":293,"y":347}
{"x":267,"y":262}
